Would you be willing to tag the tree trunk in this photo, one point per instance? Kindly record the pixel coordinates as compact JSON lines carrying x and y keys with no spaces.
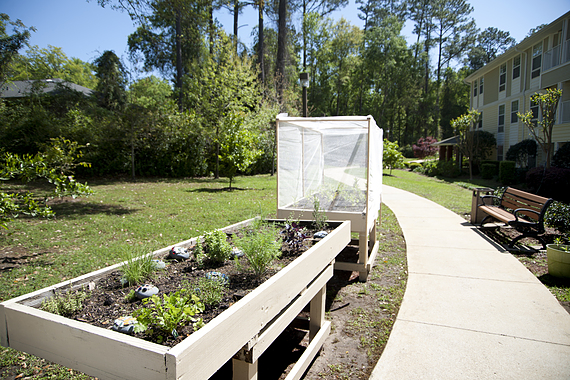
{"x":261,"y":42}
{"x":281,"y":46}
{"x":179,"y":59}
{"x":236,"y":16}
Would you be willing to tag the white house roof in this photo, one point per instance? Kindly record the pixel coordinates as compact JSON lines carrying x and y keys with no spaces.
{"x":23,"y":88}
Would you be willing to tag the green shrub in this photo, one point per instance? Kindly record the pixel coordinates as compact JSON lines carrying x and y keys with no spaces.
{"x":521,"y":151}
{"x":507,"y":172}
{"x":561,"y":158}
{"x":494,"y":164}
{"x":413,"y":165}
{"x":430,"y":168}
{"x":558,"y":216}
{"x":261,"y":247}
{"x":487,"y":171}
{"x":551,"y":183}
{"x":216,"y":246}
{"x":448,"y":169}
{"x":407,"y":151}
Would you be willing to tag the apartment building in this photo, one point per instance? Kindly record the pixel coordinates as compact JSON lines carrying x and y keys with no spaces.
{"x":503,"y":87}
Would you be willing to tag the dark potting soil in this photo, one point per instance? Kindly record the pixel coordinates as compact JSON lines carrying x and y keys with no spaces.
{"x":107,"y":301}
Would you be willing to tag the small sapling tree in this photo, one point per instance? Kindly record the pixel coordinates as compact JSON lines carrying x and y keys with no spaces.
{"x":541,"y":130}
{"x":391,"y":156}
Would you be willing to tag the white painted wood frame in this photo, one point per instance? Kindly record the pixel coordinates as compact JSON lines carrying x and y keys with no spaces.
{"x":105,"y":353}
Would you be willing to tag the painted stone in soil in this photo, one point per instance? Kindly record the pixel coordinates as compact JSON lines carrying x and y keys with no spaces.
{"x":179,"y":253}
{"x":159,"y":264}
{"x":125,"y":325}
{"x":223,"y":278}
{"x":320,"y":234}
{"x":146,"y":291}
{"x":236,"y":252}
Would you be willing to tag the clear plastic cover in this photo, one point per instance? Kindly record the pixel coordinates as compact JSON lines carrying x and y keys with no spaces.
{"x":330,"y":163}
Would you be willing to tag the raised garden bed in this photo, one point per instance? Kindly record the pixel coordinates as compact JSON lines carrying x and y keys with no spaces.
{"x":242,"y":331}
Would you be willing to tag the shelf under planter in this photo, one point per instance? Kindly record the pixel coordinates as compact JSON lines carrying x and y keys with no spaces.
{"x":246,"y":328}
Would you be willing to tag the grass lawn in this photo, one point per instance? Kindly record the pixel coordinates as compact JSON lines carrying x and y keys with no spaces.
{"x":94,"y":232}
{"x":455,"y":198}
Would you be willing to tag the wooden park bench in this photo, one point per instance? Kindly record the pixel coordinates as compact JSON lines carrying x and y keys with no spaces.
{"x":521,"y":210}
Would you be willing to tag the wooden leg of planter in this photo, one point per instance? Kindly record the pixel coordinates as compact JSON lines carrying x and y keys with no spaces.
{"x":363,"y":254}
{"x":244,"y":370}
{"x":317,"y":312}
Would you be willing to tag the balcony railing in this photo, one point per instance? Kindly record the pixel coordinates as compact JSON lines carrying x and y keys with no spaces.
{"x":551,"y":58}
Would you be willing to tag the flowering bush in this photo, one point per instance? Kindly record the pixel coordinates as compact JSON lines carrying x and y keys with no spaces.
{"x":424,"y":148}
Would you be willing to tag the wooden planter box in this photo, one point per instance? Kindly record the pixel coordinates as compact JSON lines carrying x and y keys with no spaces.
{"x":242,"y":332}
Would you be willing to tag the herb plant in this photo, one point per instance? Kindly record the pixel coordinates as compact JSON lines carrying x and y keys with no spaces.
{"x":163,"y":316}
{"x":319,"y":217}
{"x":216,"y":246}
{"x":64,"y":304}
{"x":294,"y":234}
{"x":211,"y":291}
{"x":139,"y":266}
{"x":261,"y":248}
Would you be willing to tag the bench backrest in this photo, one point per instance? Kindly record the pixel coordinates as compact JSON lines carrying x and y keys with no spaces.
{"x":513,"y":199}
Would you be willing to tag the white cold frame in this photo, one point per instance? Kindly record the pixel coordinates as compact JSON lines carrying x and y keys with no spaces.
{"x":335,"y":164}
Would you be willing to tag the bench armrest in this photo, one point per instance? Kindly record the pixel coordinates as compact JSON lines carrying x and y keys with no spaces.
{"x":490,"y":196}
{"x":520,"y":210}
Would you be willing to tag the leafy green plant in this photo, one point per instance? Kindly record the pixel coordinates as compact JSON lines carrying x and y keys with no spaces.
{"x":211,"y":290}
{"x":558,"y":216}
{"x":391,"y":156}
{"x":163,"y":316}
{"x":561,"y":244}
{"x":138,"y":265}
{"x":216,"y":246}
{"x":261,"y":248}
{"x":64,"y":304}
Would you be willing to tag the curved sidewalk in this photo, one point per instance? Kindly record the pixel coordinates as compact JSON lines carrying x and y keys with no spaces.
{"x":470,"y":310}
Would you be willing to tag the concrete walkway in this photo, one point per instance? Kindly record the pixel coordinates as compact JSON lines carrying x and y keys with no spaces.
{"x":471,"y":310}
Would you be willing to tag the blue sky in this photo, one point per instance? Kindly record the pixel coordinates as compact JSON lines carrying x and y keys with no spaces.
{"x":84,"y":29}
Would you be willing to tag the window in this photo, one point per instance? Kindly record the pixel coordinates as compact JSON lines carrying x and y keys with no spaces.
{"x":499,"y":153}
{"x":514,"y":110}
{"x":503,"y":77}
{"x":480,"y":86}
{"x":475,"y":85}
{"x":480,"y":123}
{"x":536,"y":60}
{"x":501,"y":127}
{"x":516,"y":67}
{"x":534,"y":110}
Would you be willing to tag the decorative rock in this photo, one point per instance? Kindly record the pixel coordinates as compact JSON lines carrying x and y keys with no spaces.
{"x":223,"y":278}
{"x":179,"y":253}
{"x":320,"y":234}
{"x":159,"y":264}
{"x":125,"y":325}
{"x":146,"y":291}
{"x":236,"y":252}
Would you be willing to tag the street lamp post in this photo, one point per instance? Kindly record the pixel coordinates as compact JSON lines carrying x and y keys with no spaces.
{"x":304,"y":77}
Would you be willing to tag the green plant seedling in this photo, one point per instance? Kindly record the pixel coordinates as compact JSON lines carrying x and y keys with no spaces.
{"x":216,"y":246}
{"x":261,"y":248}
{"x":164,"y":315}
{"x":64,"y":304}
